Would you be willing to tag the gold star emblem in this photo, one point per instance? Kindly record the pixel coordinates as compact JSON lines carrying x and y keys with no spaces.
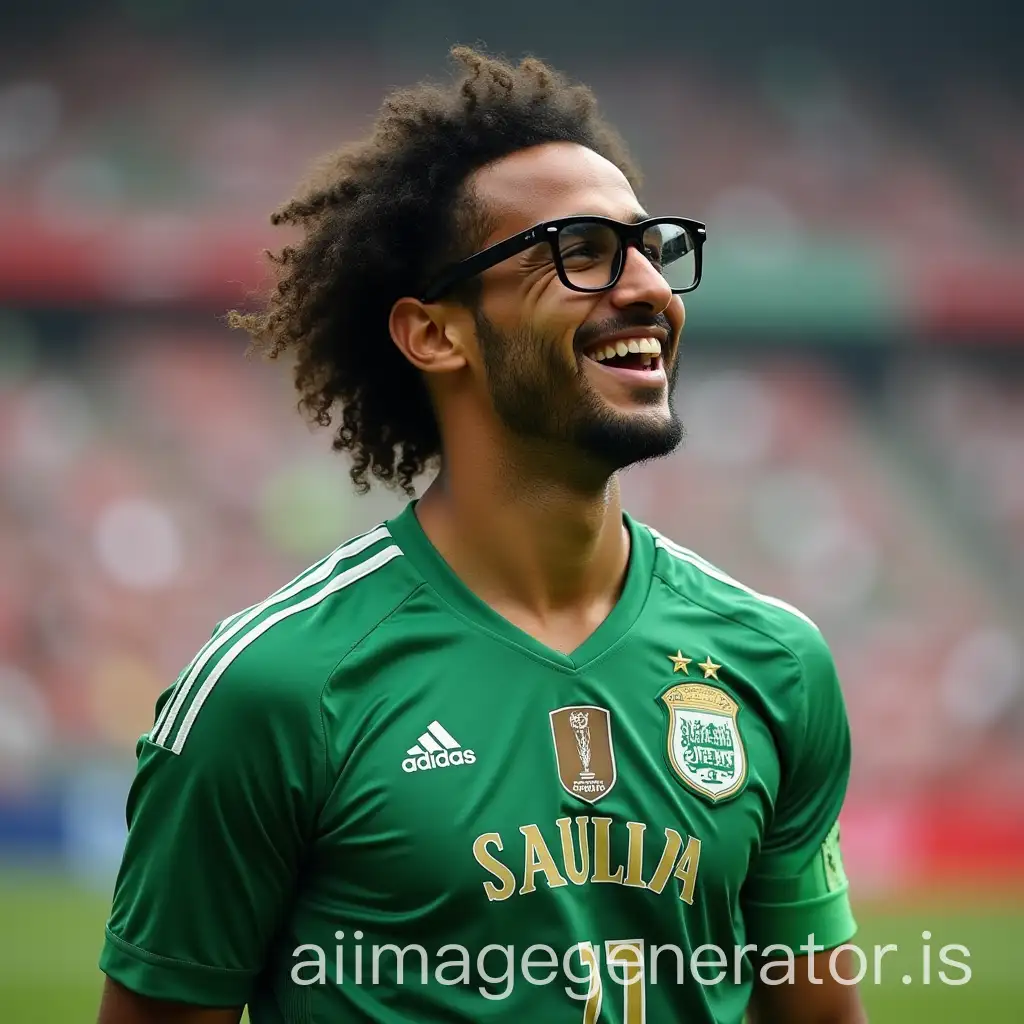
{"x":710,"y":668}
{"x":679,"y":663}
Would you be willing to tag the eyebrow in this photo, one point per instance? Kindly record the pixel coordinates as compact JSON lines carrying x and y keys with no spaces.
{"x":633,"y":217}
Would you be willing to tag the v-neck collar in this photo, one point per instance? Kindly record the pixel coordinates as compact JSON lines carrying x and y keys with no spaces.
{"x":427,"y":560}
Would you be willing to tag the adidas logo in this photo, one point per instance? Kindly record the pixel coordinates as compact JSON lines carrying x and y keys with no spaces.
{"x":436,"y":748}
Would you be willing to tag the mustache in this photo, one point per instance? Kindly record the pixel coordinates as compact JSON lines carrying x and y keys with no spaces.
{"x":588,"y":333}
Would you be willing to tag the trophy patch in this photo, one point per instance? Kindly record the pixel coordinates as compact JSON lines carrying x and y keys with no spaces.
{"x":582,"y":736}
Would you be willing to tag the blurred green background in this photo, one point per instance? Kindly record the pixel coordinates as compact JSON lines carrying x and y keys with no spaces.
{"x":49,"y":942}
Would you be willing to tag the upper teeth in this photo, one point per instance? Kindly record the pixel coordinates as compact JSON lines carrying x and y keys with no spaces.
{"x":647,"y":346}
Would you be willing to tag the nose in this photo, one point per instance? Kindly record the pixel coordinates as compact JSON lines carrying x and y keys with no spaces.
{"x":641,"y":284}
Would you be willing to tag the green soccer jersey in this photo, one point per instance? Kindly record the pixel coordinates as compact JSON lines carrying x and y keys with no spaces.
{"x":372,"y":798}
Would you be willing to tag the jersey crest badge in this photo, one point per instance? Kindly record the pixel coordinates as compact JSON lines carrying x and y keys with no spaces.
{"x":705,"y":748}
{"x":582,"y":736}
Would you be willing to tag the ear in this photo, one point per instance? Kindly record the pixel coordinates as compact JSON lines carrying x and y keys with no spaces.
{"x":430,"y":337}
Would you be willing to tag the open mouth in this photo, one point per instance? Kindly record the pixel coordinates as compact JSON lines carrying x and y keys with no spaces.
{"x":643,"y":354}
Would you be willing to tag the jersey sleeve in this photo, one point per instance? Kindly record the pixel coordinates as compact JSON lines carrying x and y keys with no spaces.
{"x":798,"y":891}
{"x":222,"y":807}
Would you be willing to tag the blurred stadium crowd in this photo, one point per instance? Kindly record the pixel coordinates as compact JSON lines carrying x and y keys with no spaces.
{"x":153,"y":481}
{"x":100,"y":125}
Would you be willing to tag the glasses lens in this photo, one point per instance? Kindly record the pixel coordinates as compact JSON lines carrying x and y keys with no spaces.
{"x":590,"y":254}
{"x":671,"y":249}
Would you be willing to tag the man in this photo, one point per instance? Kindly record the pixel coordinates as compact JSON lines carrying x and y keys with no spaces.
{"x":512,"y":755}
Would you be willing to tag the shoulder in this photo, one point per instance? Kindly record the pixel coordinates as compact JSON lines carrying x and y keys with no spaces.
{"x":783,"y":647}
{"x":273,"y":659}
{"x":693,"y":579}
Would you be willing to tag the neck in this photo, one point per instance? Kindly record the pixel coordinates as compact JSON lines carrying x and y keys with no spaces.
{"x":528,"y":541}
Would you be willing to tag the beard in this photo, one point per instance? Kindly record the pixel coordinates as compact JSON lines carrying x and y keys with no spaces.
{"x":540,"y":397}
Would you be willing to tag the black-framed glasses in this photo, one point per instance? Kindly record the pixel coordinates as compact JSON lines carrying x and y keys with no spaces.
{"x":589,"y":252}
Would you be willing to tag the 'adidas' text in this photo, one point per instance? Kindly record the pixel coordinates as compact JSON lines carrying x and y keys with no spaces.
{"x":437,"y":748}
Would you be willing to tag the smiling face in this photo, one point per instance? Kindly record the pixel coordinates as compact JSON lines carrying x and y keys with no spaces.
{"x":593,"y":372}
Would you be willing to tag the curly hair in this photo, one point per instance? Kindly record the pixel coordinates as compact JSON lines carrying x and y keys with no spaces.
{"x":377,"y":220}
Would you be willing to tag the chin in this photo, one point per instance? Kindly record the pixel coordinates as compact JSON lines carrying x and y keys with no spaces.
{"x":623,"y":440}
